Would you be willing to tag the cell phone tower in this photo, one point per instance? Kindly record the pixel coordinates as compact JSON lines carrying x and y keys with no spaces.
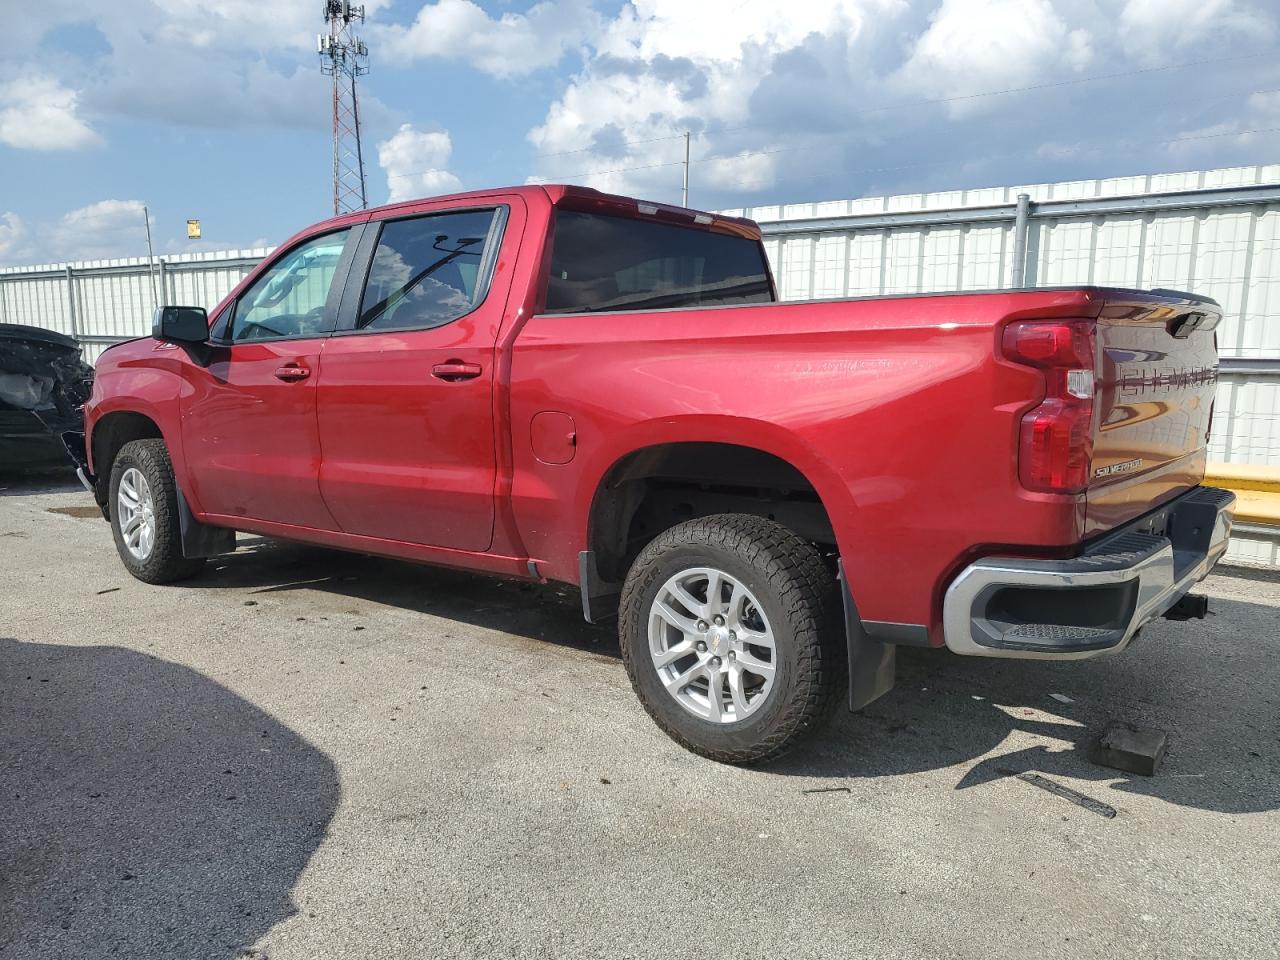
{"x":345,"y":58}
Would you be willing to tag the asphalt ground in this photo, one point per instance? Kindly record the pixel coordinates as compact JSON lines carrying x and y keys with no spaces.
{"x":309,"y":754}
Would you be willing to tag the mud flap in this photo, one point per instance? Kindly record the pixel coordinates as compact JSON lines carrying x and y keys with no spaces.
{"x":872,"y":664}
{"x":199,"y":539}
{"x":599,"y":598}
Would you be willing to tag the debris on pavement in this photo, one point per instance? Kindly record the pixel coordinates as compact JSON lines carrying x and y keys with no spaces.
{"x":827,"y":790}
{"x":1134,"y":749}
{"x":1066,"y":793}
{"x":78,"y":513}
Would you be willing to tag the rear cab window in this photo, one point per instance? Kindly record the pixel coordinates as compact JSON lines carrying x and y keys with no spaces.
{"x":601,"y":262}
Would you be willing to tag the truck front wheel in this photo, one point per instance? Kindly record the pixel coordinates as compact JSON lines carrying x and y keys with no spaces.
{"x":144,"y":514}
{"x":727,"y":635}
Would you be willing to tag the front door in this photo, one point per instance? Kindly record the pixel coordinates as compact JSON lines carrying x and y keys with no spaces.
{"x":406,"y":383}
{"x":249,"y":418}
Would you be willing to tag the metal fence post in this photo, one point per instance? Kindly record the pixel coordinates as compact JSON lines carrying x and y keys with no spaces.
{"x":1021,"y":224}
{"x":71,"y":303}
{"x":164,"y":289}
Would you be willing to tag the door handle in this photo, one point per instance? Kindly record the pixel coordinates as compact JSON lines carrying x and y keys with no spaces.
{"x":454,"y":370}
{"x":292,"y":373}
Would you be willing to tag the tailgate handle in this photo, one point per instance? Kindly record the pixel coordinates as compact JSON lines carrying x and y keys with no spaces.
{"x":1185,"y":325}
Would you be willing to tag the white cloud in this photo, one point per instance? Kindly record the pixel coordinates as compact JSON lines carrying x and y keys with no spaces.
{"x":261,"y":26}
{"x":106,"y":229}
{"x":509,"y":45}
{"x":839,"y":91}
{"x":416,"y":163}
{"x":13,"y":233}
{"x":185,"y":63}
{"x":1155,"y":29}
{"x":976,"y":46}
{"x":1266,"y":103}
{"x":663,"y":66}
{"x":39,"y":113}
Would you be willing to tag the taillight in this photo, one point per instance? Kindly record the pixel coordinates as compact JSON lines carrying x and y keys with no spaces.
{"x":1055,"y":444}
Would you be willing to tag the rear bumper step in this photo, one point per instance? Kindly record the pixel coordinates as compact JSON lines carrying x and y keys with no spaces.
{"x":1095,"y":603}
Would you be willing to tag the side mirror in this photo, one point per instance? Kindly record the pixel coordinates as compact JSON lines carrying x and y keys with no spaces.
{"x":186,"y":326}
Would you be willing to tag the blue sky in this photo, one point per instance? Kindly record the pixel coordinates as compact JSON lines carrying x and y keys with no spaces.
{"x":219,"y":111}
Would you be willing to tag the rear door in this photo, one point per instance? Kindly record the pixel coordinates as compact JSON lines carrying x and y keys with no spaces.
{"x":249,"y":418}
{"x":406,"y":384}
{"x":1158,"y":374}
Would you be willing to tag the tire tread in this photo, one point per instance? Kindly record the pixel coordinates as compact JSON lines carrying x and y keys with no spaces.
{"x":166,"y":563}
{"x":806,"y":586}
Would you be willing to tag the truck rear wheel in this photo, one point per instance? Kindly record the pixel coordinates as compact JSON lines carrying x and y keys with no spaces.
{"x":144,"y":514}
{"x":727,"y":635}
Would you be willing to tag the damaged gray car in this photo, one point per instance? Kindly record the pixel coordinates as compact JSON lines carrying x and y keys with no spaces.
{"x":44,"y":383}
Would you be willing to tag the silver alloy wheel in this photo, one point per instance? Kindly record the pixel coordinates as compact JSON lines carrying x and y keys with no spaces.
{"x":712,"y":645}
{"x":135,"y":513}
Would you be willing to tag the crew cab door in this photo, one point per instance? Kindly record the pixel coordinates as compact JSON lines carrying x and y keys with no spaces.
{"x":406,"y":382}
{"x":249,"y":430}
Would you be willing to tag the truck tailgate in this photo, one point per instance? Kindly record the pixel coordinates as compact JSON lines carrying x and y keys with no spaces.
{"x":1157,"y":374}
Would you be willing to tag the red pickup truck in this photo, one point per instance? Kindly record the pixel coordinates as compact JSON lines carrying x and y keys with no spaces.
{"x":557,"y":384}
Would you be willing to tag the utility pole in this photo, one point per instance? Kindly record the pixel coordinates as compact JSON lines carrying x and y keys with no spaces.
{"x":684,"y":193}
{"x":151,"y":257}
{"x":1020,"y":225}
{"x":345,"y":58}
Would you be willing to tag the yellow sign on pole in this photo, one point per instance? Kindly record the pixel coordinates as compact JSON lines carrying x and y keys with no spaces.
{"x":193,"y":229}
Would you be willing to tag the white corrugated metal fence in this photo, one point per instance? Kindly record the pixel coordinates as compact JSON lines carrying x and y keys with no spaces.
{"x":1214,"y":232}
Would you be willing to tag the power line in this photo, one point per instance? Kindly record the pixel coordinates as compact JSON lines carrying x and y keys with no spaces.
{"x":868,"y":110}
{"x":951,"y":161}
{"x":1038,"y":86}
{"x":563,"y":153}
{"x":624,"y":143}
{"x":600,"y":173}
{"x":768,"y":153}
{"x":958,"y":98}
{"x":707,"y":158}
{"x":760,"y":153}
{"x":1111,"y":144}
{"x":910,"y":105}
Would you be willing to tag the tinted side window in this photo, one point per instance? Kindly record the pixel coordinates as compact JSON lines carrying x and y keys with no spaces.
{"x":425,"y":271}
{"x":288,"y":299}
{"x":601,"y":262}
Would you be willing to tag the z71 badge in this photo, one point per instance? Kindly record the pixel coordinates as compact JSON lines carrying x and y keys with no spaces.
{"x":1125,"y":467}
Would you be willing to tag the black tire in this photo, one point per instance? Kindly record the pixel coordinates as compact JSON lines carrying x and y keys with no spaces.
{"x":165,"y":563}
{"x":796,"y":590}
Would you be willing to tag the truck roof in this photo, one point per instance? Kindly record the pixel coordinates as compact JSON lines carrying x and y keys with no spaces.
{"x":574,"y":197}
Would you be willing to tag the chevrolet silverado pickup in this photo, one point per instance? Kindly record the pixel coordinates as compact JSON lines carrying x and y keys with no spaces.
{"x":551,"y":383}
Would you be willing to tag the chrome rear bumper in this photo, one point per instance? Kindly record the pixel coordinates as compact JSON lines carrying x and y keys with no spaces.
{"x":1093,"y":604}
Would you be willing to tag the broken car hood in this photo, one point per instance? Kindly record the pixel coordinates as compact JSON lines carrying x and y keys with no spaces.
{"x":41,"y":371}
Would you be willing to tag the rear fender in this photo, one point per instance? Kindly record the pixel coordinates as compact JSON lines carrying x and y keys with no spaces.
{"x":755,"y":434}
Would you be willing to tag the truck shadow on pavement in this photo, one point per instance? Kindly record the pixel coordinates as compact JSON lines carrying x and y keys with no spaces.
{"x":145,"y":810}
{"x":1213,"y":685}
{"x":545,"y":612}
{"x":30,"y":483}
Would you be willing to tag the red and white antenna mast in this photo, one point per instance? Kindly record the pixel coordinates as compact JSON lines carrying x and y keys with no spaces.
{"x":345,"y":58}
